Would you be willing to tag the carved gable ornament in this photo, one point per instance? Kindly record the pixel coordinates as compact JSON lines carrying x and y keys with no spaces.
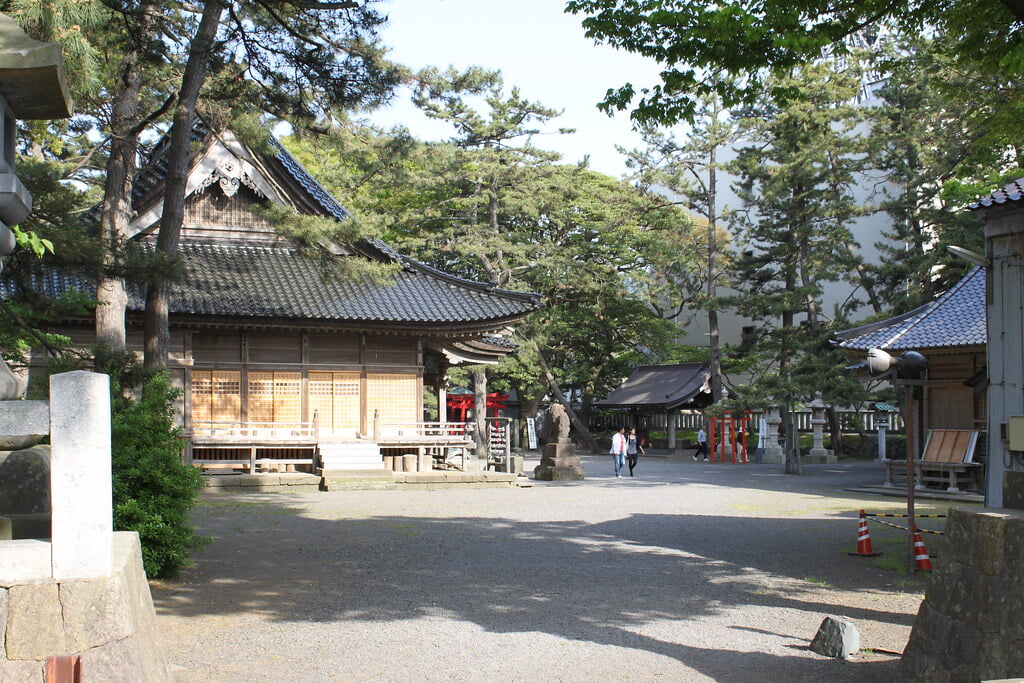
{"x":229,"y":176}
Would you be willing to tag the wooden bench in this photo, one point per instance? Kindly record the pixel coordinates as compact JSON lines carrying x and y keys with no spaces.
{"x":947,"y":458}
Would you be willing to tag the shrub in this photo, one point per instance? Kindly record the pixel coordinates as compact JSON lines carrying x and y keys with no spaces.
{"x":153,"y":489}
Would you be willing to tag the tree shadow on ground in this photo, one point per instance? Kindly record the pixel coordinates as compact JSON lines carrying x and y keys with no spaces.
{"x":601,"y":582}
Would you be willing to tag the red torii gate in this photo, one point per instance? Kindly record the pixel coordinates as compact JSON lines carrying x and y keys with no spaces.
{"x":724,"y":430}
{"x":459,"y":405}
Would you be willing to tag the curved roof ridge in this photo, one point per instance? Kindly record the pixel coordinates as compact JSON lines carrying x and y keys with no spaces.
{"x":489,"y":287}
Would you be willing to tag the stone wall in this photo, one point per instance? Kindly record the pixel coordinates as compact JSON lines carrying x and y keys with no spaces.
{"x":109,"y":621}
{"x":971,"y":624}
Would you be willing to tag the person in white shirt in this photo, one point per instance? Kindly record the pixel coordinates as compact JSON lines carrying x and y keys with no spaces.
{"x":702,"y":445}
{"x":618,"y":451}
{"x":632,"y":446}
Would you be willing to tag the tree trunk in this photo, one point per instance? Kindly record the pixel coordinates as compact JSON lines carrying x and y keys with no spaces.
{"x":793,"y":444}
{"x":560,"y":397}
{"x":835,"y":428}
{"x":788,"y":318}
{"x":157,"y":329}
{"x":117,"y":191}
{"x":715,"y":360}
{"x":483,"y":444}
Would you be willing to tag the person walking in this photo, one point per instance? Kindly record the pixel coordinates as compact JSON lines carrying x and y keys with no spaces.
{"x":618,"y":451}
{"x":632,"y":446}
{"x":702,"y":445}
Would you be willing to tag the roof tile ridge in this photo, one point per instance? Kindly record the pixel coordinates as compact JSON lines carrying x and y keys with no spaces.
{"x":284,"y":154}
{"x":934,"y":305}
{"x":489,"y":287}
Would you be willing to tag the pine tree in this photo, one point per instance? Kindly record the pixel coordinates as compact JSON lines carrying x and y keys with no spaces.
{"x":797,"y":176}
{"x":689,"y":173}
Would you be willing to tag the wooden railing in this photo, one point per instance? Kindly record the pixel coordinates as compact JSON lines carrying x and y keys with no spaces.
{"x":252,"y":446}
{"x":244,"y":432}
{"x":417,"y":433}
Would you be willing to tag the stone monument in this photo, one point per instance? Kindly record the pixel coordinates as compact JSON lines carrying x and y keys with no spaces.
{"x":559,"y":461}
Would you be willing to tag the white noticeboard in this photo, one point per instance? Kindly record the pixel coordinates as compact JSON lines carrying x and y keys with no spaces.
{"x":531,"y":430}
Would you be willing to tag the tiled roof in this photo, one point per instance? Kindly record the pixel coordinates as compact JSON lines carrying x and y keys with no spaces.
{"x":257,"y":281}
{"x":272,"y":282}
{"x":1013,"y":192}
{"x":662,"y":386}
{"x":957,"y":318}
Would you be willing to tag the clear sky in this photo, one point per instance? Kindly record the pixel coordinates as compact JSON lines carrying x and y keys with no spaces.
{"x":537,"y":48}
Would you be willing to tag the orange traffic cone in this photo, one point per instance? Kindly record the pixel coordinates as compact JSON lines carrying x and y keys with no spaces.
{"x":864,"y":539}
{"x":921,"y":559}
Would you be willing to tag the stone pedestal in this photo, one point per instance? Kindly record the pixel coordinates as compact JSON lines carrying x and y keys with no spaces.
{"x":820,"y":456}
{"x":559,"y":462}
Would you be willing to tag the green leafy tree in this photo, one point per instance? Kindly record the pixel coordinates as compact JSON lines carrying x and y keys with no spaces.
{"x":153,"y":489}
{"x":924,"y":143}
{"x":489,"y":206}
{"x":731,"y":48}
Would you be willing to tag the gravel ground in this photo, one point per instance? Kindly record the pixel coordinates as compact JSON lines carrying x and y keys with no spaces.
{"x":687,"y":572}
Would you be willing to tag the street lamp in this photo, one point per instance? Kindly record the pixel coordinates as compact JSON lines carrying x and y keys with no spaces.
{"x":909,"y":370}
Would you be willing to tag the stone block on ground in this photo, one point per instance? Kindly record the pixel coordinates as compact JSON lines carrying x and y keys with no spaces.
{"x":971,"y":622}
{"x":820,"y":456}
{"x":336,"y":480}
{"x":558,"y":473}
{"x":837,"y":638}
{"x":559,"y":462}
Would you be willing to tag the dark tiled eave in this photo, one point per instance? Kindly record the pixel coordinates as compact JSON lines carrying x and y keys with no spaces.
{"x":1010,"y":193}
{"x":274,"y":284}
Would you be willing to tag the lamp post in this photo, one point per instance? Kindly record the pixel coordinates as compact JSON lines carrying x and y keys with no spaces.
{"x":911,"y":372}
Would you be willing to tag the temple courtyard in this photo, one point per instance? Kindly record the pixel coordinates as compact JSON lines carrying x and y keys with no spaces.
{"x":686,"y":572}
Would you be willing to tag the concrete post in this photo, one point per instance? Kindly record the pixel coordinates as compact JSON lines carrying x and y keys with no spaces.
{"x":80,"y":486}
{"x":671,"y":419}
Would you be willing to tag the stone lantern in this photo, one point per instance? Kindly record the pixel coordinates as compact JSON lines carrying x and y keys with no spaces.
{"x":772,"y":449}
{"x":32,"y":86}
{"x":818,"y":452}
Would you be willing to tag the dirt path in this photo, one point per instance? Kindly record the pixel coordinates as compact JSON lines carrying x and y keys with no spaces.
{"x":688,"y":572}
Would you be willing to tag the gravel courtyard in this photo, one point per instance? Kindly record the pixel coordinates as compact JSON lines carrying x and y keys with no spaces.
{"x":687,"y":572}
